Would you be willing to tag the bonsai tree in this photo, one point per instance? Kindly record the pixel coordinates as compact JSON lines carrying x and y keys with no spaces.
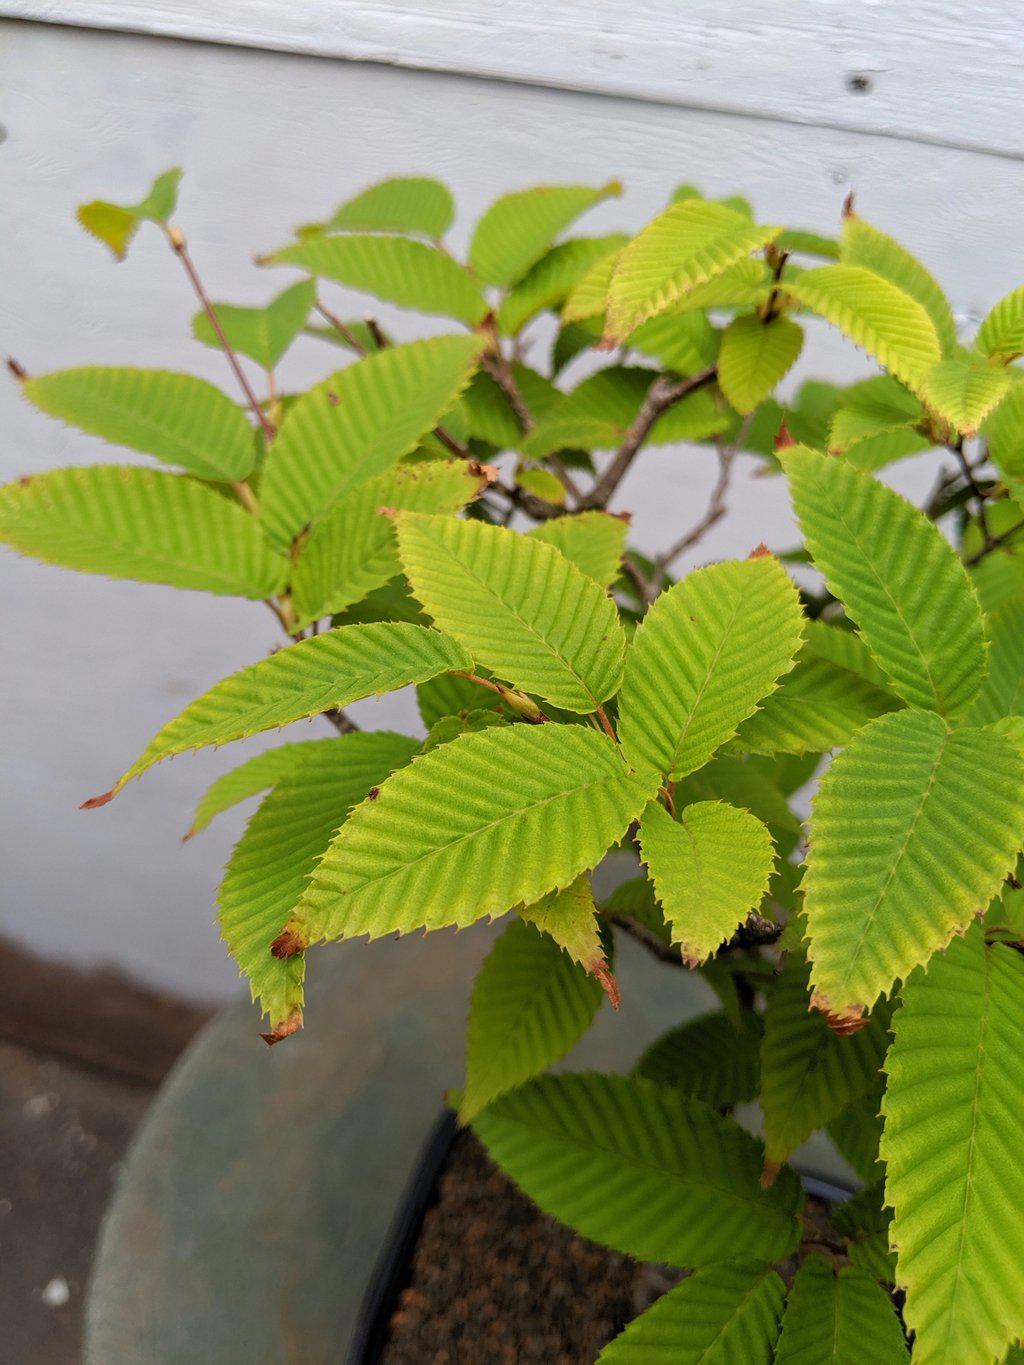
{"x":578,"y":699}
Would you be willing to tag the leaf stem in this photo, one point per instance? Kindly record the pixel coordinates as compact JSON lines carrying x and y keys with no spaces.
{"x":178,"y":245}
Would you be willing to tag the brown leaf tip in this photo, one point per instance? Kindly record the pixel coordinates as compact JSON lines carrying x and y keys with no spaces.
{"x":17,"y":369}
{"x":842,"y":1022}
{"x":284,"y":1029}
{"x":287,"y":944}
{"x":760,"y":551}
{"x":94,"y":802}
{"x":488,"y":472}
{"x":626,"y":517}
{"x":848,"y":209}
{"x":608,"y":982}
{"x":784,"y":438}
{"x":387,"y":511}
{"x":770,"y":1173}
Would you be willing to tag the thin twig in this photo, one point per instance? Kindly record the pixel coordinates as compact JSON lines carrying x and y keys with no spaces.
{"x":714,"y":512}
{"x":663,"y":394}
{"x":346,"y":333}
{"x":606,"y":724}
{"x":993,"y":543}
{"x":177,"y":240}
{"x":979,"y":494}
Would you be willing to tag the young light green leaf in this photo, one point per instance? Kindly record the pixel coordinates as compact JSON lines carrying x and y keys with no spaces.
{"x":548,"y":283}
{"x":593,"y":541}
{"x":263,"y":334}
{"x":709,"y":868}
{"x":687,"y":245}
{"x":875,"y":314}
{"x":142,"y":524}
{"x":317,"y":674}
{"x":358,"y":423}
{"x":448,"y":728}
{"x":808,"y":243}
{"x":720,"y":1314}
{"x":964,"y":393}
{"x":542,"y":483}
{"x":954,"y":1151}
{"x":180,"y":419}
{"x":353,"y":550}
{"x":863,"y":245}
{"x":1001,"y":334}
{"x":410,"y":203}
{"x":838,"y":1317}
{"x":706,"y":653}
{"x":249,"y":778}
{"x":400,"y":270}
{"x":588,"y":298}
{"x":708,"y":1058}
{"x":445,"y":843}
{"x":531,"y":1003}
{"x":116,"y":224}
{"x":569,"y":917}
{"x":518,"y":606}
{"x":808,"y":1073}
{"x":897,"y":575}
{"x":518,"y":228}
{"x":754,"y":356}
{"x":913,"y":829}
{"x":641,"y":1168}
{"x":684,"y":342}
{"x":280,"y":847}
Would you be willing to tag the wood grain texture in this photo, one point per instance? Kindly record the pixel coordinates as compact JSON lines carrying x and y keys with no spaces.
{"x":929,"y":70}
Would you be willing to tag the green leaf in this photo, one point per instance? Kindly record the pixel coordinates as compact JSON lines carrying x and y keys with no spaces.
{"x":249,"y":778}
{"x":913,"y":829}
{"x":754,"y":356}
{"x":279,"y":849}
{"x":705,"y":654}
{"x":490,"y":821}
{"x":856,"y":1133}
{"x":819,"y":704}
{"x":808,"y":1073}
{"x":401,"y":204}
{"x":721,"y":1315}
{"x":1003,"y":430}
{"x":530,"y":1005}
{"x":358,"y":423}
{"x":964,"y":393}
{"x":588,"y":297}
{"x":1001,"y":334}
{"x":838,"y":1318}
{"x":748,"y":785}
{"x":399,"y":270}
{"x":687,"y":245}
{"x":875,"y":452}
{"x":593,"y":541}
{"x":684,"y":342}
{"x":864,"y":1222}
{"x":710,"y":868}
{"x":317,"y":674}
{"x":518,"y":606}
{"x":548,"y":283}
{"x":1002,"y":691}
{"x":875,"y":314}
{"x":870,"y":408}
{"x":641,"y":1168}
{"x":518,"y":228}
{"x":353,"y":550}
{"x":863,"y":245}
{"x":541,"y":483}
{"x":448,"y":728}
{"x":898,"y":577}
{"x":708,"y":1058}
{"x":569,"y":917}
{"x":263,"y":334}
{"x":809,"y":243}
{"x":116,"y":224}
{"x":141,"y":524}
{"x":953,"y":1147}
{"x":176,"y":417}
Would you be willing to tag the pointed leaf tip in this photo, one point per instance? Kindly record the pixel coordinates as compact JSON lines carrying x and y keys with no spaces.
{"x":602,"y":972}
{"x":843,"y":1022}
{"x":94,"y":802}
{"x":287,"y":944}
{"x":284,"y":1029}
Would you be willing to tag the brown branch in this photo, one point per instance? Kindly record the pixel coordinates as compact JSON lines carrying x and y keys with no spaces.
{"x":663,"y":394}
{"x":346,"y":334}
{"x":177,"y":240}
{"x":993,"y":543}
{"x":972,"y":483}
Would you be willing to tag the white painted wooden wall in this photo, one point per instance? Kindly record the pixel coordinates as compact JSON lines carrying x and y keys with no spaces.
{"x":284,"y":108}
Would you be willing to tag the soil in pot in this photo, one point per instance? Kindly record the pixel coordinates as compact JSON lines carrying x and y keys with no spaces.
{"x":494,"y":1279}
